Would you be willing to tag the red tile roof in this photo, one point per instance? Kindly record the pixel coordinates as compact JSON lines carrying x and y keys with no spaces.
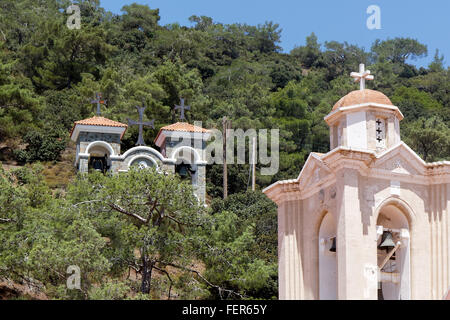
{"x":183,"y":127}
{"x":99,"y":121}
{"x":362,"y":96}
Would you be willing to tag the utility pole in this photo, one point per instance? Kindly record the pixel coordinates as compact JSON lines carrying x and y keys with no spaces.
{"x":225,"y":124}
{"x":253,"y":164}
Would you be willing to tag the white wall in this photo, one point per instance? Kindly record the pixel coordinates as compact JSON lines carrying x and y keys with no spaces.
{"x":357,"y":130}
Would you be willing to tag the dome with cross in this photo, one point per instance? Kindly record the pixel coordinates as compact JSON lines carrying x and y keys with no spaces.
{"x":362,"y":96}
{"x":364,"y":119}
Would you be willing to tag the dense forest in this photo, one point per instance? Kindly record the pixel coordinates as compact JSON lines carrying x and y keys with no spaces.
{"x":51,"y":218}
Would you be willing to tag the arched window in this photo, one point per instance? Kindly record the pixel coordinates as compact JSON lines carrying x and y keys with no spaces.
{"x":327,"y":259}
{"x":185,"y":165}
{"x":185,"y":171}
{"x":99,"y":158}
{"x":393,"y":254}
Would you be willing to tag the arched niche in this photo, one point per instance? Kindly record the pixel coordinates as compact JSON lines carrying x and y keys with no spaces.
{"x":187,"y":153}
{"x":143,"y":162}
{"x":327,"y":259}
{"x":186,"y":159}
{"x":394,"y":281}
{"x":100,"y":154}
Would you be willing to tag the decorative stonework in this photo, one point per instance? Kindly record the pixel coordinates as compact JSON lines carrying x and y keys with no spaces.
{"x":364,"y":187}
{"x":99,"y":138}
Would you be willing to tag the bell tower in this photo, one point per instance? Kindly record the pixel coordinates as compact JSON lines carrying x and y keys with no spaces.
{"x":185,"y":145}
{"x":364,"y":119}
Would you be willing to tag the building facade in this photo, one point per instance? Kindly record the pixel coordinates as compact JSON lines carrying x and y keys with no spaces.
{"x":367,"y":220}
{"x":182,"y":147}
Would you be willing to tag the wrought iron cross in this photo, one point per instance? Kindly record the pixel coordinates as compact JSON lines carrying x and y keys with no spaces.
{"x":141,"y":123}
{"x":98,"y":100}
{"x":182,"y":107}
{"x":362,"y":76}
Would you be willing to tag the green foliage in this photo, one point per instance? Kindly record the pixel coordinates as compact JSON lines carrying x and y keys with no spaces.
{"x":149,"y":218}
{"x":241,"y":246}
{"x":19,"y":105}
{"x":429,"y":137}
{"x":41,"y":147}
{"x":42,"y":236}
{"x":111,"y":290}
{"x":138,"y":25}
{"x":49,"y":74}
{"x":310,"y":53}
{"x":398,"y":50}
{"x":414,"y":103}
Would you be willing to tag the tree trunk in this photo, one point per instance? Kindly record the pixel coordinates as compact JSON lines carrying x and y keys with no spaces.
{"x":147,"y":269}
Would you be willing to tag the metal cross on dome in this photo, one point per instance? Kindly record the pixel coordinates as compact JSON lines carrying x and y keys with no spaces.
{"x":362,"y":76}
{"x":141,"y":123}
{"x":182,"y":107}
{"x":98,"y":100}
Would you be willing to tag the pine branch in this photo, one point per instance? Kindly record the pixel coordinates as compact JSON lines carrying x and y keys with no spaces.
{"x":168,"y":276}
{"x":219,"y":288}
{"x":130,"y":214}
{"x":4,"y":220}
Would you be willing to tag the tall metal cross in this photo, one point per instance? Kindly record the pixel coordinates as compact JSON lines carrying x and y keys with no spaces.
{"x":182,"y":107}
{"x":98,"y":100}
{"x":141,"y":123}
{"x":362,"y":76}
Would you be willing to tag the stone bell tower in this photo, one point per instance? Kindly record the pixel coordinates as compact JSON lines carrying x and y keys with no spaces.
{"x":185,"y":145}
{"x":98,"y":141}
{"x":369,"y":219}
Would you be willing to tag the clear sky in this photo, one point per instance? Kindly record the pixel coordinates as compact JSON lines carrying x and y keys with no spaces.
{"x":342,"y":20}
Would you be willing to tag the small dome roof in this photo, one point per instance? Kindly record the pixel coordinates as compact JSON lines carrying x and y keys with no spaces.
{"x":362,"y":96}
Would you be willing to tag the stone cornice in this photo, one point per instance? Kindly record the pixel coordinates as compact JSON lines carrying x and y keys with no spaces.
{"x":283,"y":190}
{"x":331,"y":117}
{"x":366,"y":163}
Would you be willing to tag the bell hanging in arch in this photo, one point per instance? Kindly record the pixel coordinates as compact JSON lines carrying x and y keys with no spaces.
{"x":333,"y":245}
{"x":387,"y":241}
{"x":183,"y":171}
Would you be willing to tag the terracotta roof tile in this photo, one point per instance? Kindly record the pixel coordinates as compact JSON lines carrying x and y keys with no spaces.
{"x":362,"y":96}
{"x":99,"y":121}
{"x":183,"y":127}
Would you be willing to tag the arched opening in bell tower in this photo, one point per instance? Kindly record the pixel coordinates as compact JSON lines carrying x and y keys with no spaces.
{"x":327,"y":259}
{"x":185,"y":165}
{"x":393,"y":254}
{"x":99,"y":156}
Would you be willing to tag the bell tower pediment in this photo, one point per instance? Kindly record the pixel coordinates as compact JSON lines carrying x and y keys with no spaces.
{"x":401,"y":160}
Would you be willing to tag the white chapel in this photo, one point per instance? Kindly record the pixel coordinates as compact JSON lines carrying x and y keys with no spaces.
{"x":369,"y":219}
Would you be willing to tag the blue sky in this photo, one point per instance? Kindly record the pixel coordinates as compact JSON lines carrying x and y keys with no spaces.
{"x":342,"y":20}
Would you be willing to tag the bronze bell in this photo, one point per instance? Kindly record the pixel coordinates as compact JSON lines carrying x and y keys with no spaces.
{"x":333,"y":245}
{"x":183,"y":171}
{"x":387,"y":241}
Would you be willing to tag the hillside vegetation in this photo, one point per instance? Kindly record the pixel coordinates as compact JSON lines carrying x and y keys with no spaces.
{"x":50,"y":218}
